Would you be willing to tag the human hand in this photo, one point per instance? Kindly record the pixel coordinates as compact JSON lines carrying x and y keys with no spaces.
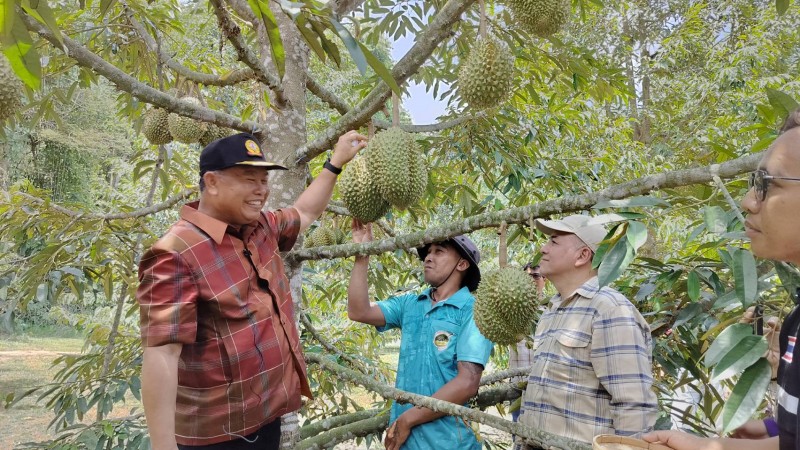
{"x":752,"y":429}
{"x":346,"y":147}
{"x":678,"y":440}
{"x":397,"y":434}
{"x":772,"y":331}
{"x":362,"y":232}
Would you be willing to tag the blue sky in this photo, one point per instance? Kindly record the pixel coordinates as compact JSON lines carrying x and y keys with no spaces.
{"x":420,"y":104}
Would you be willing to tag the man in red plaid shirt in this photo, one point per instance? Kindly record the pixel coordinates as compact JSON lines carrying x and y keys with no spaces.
{"x":222,"y":358}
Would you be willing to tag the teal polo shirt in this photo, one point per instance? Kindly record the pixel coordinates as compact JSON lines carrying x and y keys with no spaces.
{"x":434,"y":338}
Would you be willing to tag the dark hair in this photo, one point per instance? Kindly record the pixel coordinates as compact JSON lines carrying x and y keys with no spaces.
{"x":792,"y":121}
{"x":531,"y":266}
{"x":202,"y":184}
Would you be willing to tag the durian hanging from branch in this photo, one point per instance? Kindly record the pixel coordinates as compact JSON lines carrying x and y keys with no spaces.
{"x":505,"y":301}
{"x":359,"y":191}
{"x":541,"y":17}
{"x":486,"y":76}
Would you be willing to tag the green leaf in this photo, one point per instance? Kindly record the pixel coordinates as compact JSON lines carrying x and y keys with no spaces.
{"x":273,"y":33}
{"x":747,"y":395}
{"x":693,"y":286}
{"x":615,"y":261}
{"x":716,"y":220}
{"x":21,"y":53}
{"x":781,"y":102}
{"x":352,"y":46}
{"x":740,"y":357}
{"x":7,"y":18}
{"x":789,"y":276}
{"x":729,"y":338}
{"x":105,"y":5}
{"x":41,"y":12}
{"x":636,"y":234}
{"x":310,"y":37}
{"x":630,"y":202}
{"x":745,"y":276}
{"x":381,"y":70}
{"x":781,"y":6}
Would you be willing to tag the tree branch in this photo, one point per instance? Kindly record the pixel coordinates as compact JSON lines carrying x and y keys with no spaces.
{"x":233,"y":33}
{"x":340,"y":105}
{"x":328,"y":423}
{"x":501,"y":375}
{"x":136,"y":88}
{"x":534,"y":437}
{"x":329,"y":346}
{"x":425,"y":44}
{"x":639,"y":186}
{"x":158,"y":207}
{"x":235,"y":77}
{"x":346,"y":432}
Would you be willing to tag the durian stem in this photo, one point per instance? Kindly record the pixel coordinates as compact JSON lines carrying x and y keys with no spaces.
{"x":482,"y":23}
{"x":395,"y":110}
{"x":503,"y":251}
{"x":371,"y":129}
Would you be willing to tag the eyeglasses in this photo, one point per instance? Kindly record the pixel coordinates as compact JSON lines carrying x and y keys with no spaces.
{"x":759,"y":180}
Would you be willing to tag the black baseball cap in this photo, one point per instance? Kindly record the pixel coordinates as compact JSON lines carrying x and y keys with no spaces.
{"x":238,"y":150}
{"x":469,"y":251}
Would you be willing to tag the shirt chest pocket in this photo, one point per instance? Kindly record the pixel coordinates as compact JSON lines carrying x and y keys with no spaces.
{"x":443,"y":342}
{"x":572,"y":349}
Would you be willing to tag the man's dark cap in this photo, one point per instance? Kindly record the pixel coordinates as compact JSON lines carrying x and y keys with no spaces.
{"x":238,"y":150}
{"x":469,"y":251}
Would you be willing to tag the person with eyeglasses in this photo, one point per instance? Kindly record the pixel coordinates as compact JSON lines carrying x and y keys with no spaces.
{"x":771,"y":205}
{"x":522,"y":355}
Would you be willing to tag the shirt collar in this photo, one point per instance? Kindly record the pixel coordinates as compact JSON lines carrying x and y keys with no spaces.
{"x":587,"y":290}
{"x":458,"y":299}
{"x":214,"y":228}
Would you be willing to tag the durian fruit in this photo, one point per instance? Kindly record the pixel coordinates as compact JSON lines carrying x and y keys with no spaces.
{"x":359,"y":192}
{"x":10,"y":90}
{"x":395,"y":161}
{"x":340,"y":237}
{"x":154,"y":126}
{"x":541,"y":17}
{"x":505,"y":305}
{"x":486,"y":76}
{"x":185,"y":129}
{"x":213,"y":133}
{"x":323,"y":235}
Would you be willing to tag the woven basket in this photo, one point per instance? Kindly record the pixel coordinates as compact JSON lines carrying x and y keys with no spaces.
{"x":612,"y":442}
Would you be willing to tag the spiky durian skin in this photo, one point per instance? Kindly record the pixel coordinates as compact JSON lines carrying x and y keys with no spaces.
{"x":155,"y":127}
{"x":541,"y":17}
{"x":505,"y":305}
{"x":185,"y":129}
{"x":359,"y":193}
{"x":396,"y":162}
{"x":486,"y":76}
{"x":213,"y":133}
{"x":10,"y":90}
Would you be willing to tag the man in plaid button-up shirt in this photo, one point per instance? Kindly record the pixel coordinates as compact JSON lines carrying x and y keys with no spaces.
{"x":592,"y":370}
{"x":222,"y":357}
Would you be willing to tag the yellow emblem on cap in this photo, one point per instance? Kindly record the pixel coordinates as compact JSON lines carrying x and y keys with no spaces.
{"x":252,"y":148}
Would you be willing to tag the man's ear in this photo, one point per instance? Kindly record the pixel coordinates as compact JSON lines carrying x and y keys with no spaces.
{"x":584,"y":257}
{"x":463,"y":265}
{"x":211,"y":180}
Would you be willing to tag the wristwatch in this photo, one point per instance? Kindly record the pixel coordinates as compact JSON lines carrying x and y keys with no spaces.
{"x":328,"y":165}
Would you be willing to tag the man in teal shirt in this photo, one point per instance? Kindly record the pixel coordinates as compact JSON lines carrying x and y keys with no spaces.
{"x":442,"y":353}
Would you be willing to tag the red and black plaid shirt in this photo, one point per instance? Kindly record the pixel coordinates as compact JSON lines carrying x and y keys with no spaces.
{"x":225,"y":297}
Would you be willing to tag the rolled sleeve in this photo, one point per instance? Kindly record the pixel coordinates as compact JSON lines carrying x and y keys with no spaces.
{"x":167,"y":297}
{"x":472,"y":346}
{"x":287,"y":224}
{"x":621,"y":359}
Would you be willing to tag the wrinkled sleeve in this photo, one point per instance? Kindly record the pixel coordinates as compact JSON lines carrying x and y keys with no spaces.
{"x":287,"y":224}
{"x":393,"y":311}
{"x":167,"y":297}
{"x":621,"y":356}
{"x":472,"y":346}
